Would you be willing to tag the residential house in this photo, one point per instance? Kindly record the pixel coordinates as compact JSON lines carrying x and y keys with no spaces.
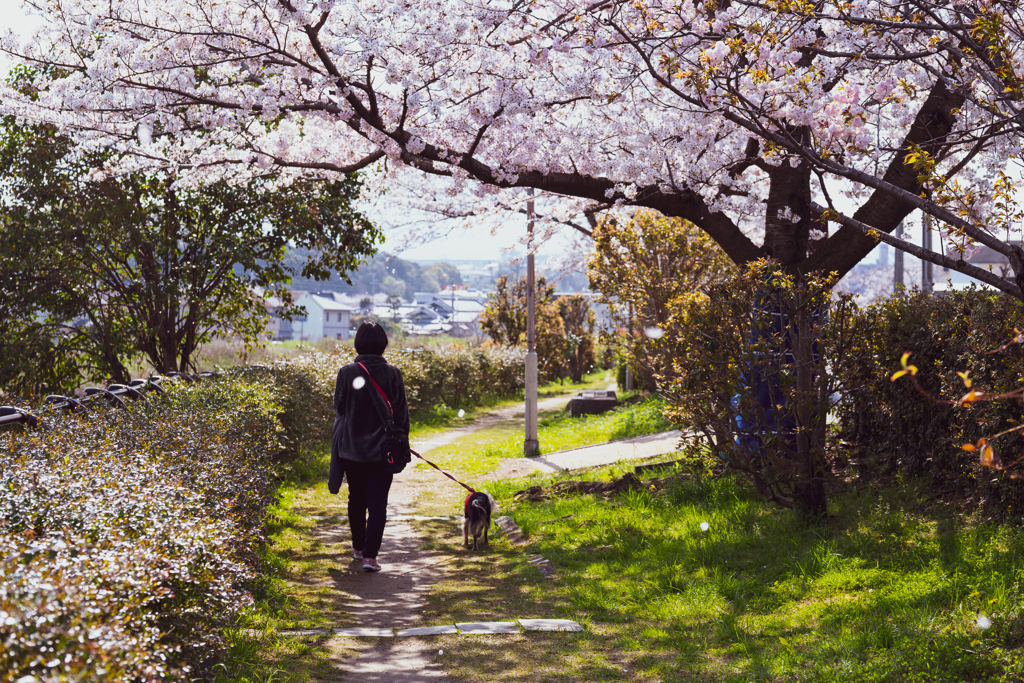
{"x":325,"y":318}
{"x":453,"y":312}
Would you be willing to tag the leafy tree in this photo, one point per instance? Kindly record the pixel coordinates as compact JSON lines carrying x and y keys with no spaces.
{"x":135,"y":266}
{"x":443,"y":274}
{"x":580,"y":323}
{"x":640,"y":267}
{"x":504,"y":321}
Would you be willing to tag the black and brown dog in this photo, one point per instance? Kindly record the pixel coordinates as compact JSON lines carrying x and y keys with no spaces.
{"x":478,"y":508}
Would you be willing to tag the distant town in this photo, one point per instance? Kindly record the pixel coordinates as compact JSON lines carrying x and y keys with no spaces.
{"x":420,"y":298}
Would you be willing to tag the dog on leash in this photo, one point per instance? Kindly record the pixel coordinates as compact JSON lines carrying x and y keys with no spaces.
{"x":478,"y":508}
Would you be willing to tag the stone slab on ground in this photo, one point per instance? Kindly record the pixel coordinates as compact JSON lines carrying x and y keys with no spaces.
{"x":428,"y":630}
{"x":304,"y":632}
{"x":476,"y":627}
{"x":550,"y":625}
{"x":510,"y":529}
{"x":594,"y":405}
{"x":543,"y":564}
{"x":365,"y":632}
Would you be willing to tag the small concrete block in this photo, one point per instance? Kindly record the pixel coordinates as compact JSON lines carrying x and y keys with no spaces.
{"x":365,"y":632}
{"x":427,"y":630}
{"x":470,"y":628}
{"x":550,"y":625}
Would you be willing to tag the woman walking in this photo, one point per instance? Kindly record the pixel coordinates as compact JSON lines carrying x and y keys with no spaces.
{"x":359,"y":434}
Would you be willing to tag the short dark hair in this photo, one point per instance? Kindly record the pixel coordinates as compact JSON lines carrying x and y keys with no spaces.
{"x":371,"y":339}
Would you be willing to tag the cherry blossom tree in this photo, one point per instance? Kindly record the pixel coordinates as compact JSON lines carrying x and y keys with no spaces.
{"x":749,"y":119}
{"x":762,"y":122}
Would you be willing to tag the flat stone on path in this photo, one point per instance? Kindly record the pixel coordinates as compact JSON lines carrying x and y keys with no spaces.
{"x":472,"y":628}
{"x":550,"y":625}
{"x":427,"y":630}
{"x":298,"y":633}
{"x":365,"y":632}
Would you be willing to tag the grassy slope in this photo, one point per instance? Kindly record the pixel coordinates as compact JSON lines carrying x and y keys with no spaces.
{"x":887,"y":589}
{"x":480,"y":453}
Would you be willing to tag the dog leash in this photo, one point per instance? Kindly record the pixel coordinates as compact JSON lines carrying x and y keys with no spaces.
{"x":468,"y":488}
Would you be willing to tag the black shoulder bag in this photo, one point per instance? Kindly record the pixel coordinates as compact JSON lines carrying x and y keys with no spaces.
{"x":395,"y":449}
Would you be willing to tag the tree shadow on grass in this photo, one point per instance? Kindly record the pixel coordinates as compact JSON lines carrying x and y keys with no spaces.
{"x":764,"y":590}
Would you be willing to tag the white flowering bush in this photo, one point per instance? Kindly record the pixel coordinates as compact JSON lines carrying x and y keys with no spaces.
{"x":130,"y":538}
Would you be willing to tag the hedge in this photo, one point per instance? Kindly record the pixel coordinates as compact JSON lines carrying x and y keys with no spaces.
{"x":453,"y":375}
{"x":130,"y":538}
{"x":890,"y":426}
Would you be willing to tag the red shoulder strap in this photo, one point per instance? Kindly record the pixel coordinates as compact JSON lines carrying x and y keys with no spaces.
{"x":377,"y":386}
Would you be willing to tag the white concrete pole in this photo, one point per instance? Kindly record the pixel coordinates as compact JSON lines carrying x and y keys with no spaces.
{"x":927,"y":267}
{"x":898,"y":287}
{"x":531,"y":446}
{"x":629,"y":355}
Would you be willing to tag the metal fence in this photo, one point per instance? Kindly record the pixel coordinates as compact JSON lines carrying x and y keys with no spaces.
{"x":113,"y":395}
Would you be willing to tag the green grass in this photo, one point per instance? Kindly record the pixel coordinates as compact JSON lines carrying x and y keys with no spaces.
{"x":887,"y":589}
{"x":436,"y":419}
{"x":556,"y":431}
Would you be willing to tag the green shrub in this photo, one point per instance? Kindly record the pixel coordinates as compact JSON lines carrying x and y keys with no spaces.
{"x":890,"y":426}
{"x":130,"y":538}
{"x":746,"y":368}
{"x":456,"y":375}
{"x":304,"y":390}
{"x":452,"y":375}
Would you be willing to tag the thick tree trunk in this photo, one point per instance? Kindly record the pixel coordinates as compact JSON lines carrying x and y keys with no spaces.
{"x":809,"y":490}
{"x":788,"y":214}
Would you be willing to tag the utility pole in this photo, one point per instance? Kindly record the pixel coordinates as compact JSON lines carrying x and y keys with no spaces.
{"x":531,"y":446}
{"x":898,"y":287}
{"x":927,"y":267}
{"x":629,"y":341}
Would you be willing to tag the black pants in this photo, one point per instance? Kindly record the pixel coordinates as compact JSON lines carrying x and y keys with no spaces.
{"x":368,"y":486}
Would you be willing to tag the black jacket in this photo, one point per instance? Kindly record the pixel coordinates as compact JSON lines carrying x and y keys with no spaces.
{"x":358,"y":430}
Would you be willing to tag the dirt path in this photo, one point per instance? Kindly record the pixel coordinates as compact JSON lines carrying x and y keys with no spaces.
{"x":395,"y":596}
